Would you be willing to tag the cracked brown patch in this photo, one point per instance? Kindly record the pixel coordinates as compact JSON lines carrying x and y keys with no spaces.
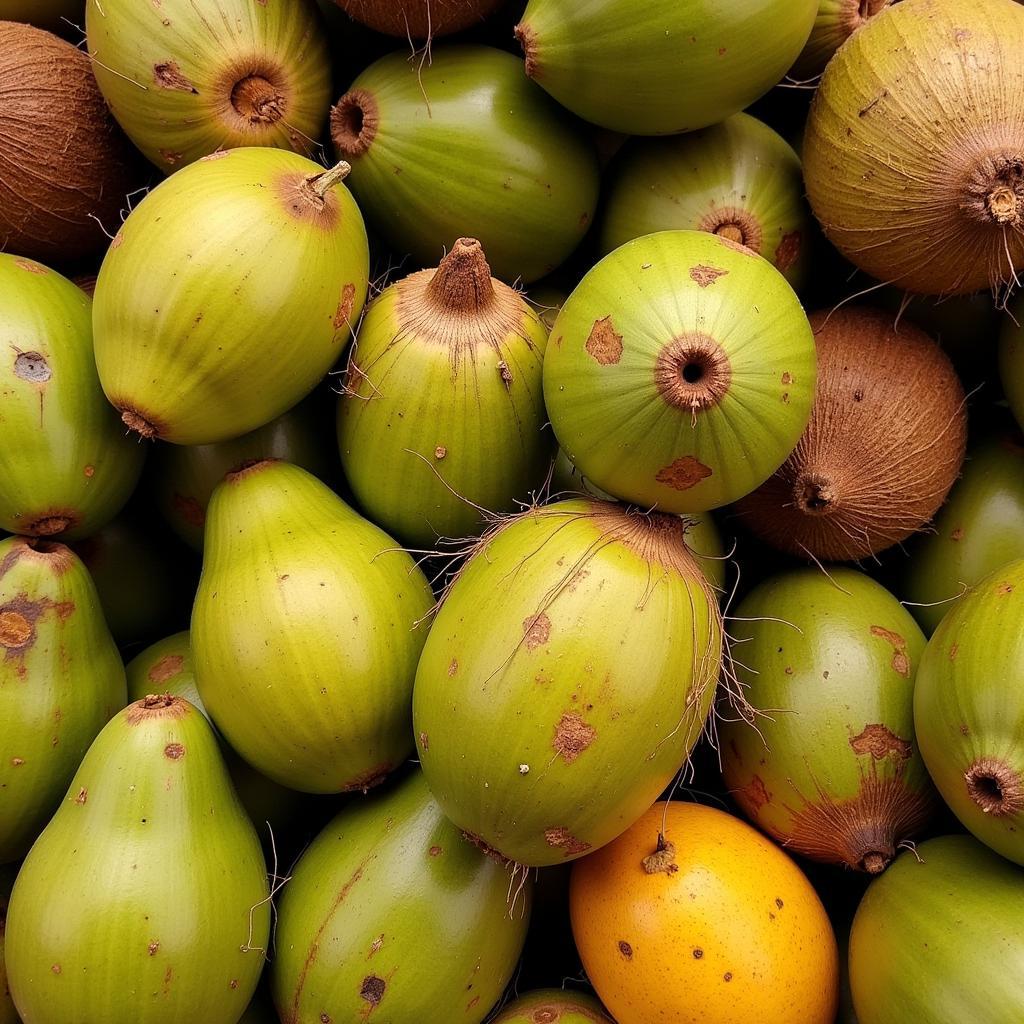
{"x":83,"y":795}
{"x":788,"y":251}
{"x":15,"y":630}
{"x":33,"y":367}
{"x":900,"y":661}
{"x":166,"y":668}
{"x":189,"y":509}
{"x":453,"y":667}
{"x":954,"y":651}
{"x":572,"y":737}
{"x":367,"y":780}
{"x":174,"y":751}
{"x":372,"y":989}
{"x":663,"y":860}
{"x":683,"y":474}
{"x":626,"y":949}
{"x":754,"y":794}
{"x":705,"y":275}
{"x":424,"y":741}
{"x":880,"y":742}
{"x":342,"y":317}
{"x":153,"y":948}
{"x":536,"y":630}
{"x":168,"y":76}
{"x":604,"y":343}
{"x":562,"y":839}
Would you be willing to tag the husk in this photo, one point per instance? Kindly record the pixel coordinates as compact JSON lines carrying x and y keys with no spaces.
{"x":553,"y":1005}
{"x":915,"y":143}
{"x":836,"y":21}
{"x":419,"y":19}
{"x":884,"y":445}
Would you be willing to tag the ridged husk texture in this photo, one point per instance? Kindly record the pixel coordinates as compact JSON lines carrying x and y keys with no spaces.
{"x":442,"y":418}
{"x":885,"y":443}
{"x":419,"y":19}
{"x":914,"y":149}
{"x":567,"y":677}
{"x":187,"y":79}
{"x":553,"y":1006}
{"x":939,"y":937}
{"x":835,"y":22}
{"x":392,"y":914}
{"x":145,"y":900}
{"x":739,"y":179}
{"x":680,"y":372}
{"x":827,"y":763}
{"x":969,"y":710}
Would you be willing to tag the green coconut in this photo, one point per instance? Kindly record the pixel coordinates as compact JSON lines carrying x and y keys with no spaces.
{"x":392,"y":915}
{"x":66,"y":466}
{"x":186,"y":79}
{"x":464,"y":144}
{"x":969,"y":710}
{"x":738,"y":179}
{"x":825,"y":761}
{"x":680,"y":373}
{"x":979,"y":529}
{"x":1011,"y":361}
{"x":145,"y":900}
{"x":835,"y":22}
{"x":940,"y":938}
{"x":61,"y":678}
{"x":567,"y":676}
{"x":553,"y":1006}
{"x":8,"y":1014}
{"x":228,"y":293}
{"x":441,"y":421}
{"x":306,"y":630}
{"x":662,"y":66}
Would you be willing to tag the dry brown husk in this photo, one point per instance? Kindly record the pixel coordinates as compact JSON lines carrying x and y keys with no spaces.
{"x":419,"y":19}
{"x":65,"y":165}
{"x":884,"y":445}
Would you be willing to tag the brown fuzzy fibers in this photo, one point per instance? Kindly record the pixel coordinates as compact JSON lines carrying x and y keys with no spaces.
{"x":419,"y":19}
{"x":62,"y":156}
{"x":884,"y":445}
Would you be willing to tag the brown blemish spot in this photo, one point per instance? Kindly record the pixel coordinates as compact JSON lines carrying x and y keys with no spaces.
{"x":174,"y":751}
{"x":325,"y":1018}
{"x":1004,"y":588}
{"x":166,"y":668}
{"x":453,"y":667}
{"x":15,"y":630}
{"x":788,"y":251}
{"x":572,"y":737}
{"x":964,"y":731}
{"x":56,"y":968}
{"x":424,"y":741}
{"x":168,"y":974}
{"x":683,"y":474}
{"x":115,"y":242}
{"x":536,"y":630}
{"x":17,"y":762}
{"x":89,"y":471}
{"x":787,"y":378}
{"x":663,"y":860}
{"x":900,"y":661}
{"x":880,"y":742}
{"x":168,"y":76}
{"x":233,"y":983}
{"x":954,"y":651}
{"x":83,"y":795}
{"x":172,"y":156}
{"x":698,"y":954}
{"x":957,"y":534}
{"x":217,"y":154}
{"x":343,"y":314}
{"x":562,"y":839}
{"x":372,"y":989}
{"x":604,"y":343}
{"x":626,"y":949}
{"x":755,"y":794}
{"x":32,"y":366}
{"x":31,"y":266}
{"x":779,"y":903}
{"x":153,"y":948}
{"x":727,"y":976}
{"x":440,"y":452}
{"x":705,"y":275}
{"x":370,"y":778}
{"x":436,"y":851}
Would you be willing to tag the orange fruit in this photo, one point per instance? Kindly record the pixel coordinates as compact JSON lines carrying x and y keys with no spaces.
{"x":717,"y":927}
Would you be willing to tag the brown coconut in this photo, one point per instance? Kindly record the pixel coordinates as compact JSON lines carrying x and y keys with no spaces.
{"x":419,"y":19}
{"x":65,"y":165}
{"x":884,"y":445}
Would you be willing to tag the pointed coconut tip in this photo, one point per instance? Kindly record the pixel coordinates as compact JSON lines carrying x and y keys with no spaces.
{"x":156,"y":705}
{"x":462,"y":282}
{"x":354,"y":122}
{"x":656,"y":537}
{"x":250,"y":467}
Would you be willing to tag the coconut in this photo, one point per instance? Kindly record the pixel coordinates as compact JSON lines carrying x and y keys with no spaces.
{"x":442,"y":418}
{"x":419,"y":19}
{"x":65,"y":166}
{"x":186,"y":79}
{"x":680,"y":372}
{"x":914,"y":149}
{"x":885,"y":443}
{"x":836,"y":21}
{"x":553,"y":1006}
{"x":739,"y":179}
{"x":466,"y":145}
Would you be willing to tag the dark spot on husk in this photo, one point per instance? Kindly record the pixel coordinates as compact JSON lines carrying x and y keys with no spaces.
{"x":562,"y":839}
{"x":626,"y":950}
{"x":954,"y":650}
{"x":189,"y":509}
{"x":754,"y":794}
{"x":705,"y":275}
{"x":16,"y":631}
{"x":156,"y":705}
{"x":32,"y":366}
{"x":174,"y":751}
{"x":440,"y":452}
{"x":435,"y":851}
{"x":325,"y":1018}
{"x":233,"y":983}
{"x":698,"y":953}
{"x":372,"y":989}
{"x":1004,"y":588}
{"x":900,"y":660}
{"x":424,"y":741}
{"x":153,"y":948}
{"x":604,"y":343}
{"x":56,"y":968}
{"x":83,"y":796}
{"x":779,"y":903}
{"x":788,"y":251}
{"x":168,"y":76}
{"x":453,"y":667}
{"x":166,"y":668}
{"x":683,"y":474}
{"x":368,"y":780}
{"x":880,"y":742}
{"x":727,"y":976}
{"x":536,"y":630}
{"x":957,"y":534}
{"x":342,"y":317}
{"x":572,"y":737}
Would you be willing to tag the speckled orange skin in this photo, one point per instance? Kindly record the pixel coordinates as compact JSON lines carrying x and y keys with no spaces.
{"x":734,"y":935}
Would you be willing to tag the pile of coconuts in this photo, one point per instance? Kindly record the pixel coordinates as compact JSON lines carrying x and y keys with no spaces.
{"x":511,"y":512}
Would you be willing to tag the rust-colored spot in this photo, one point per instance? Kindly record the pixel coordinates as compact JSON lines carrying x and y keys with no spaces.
{"x":372,"y":989}
{"x":90,"y":471}
{"x":572,"y":737}
{"x":343,"y":314}
{"x":698,"y":953}
{"x":56,"y":968}
{"x":626,"y":949}
{"x":604,"y":343}
{"x":436,"y":851}
{"x":787,"y":378}
{"x":115,"y":242}
{"x":172,"y":156}
{"x":957,"y":534}
{"x":879,"y":741}
{"x":536,"y":630}
{"x":562,"y":839}
{"x":424,"y":741}
{"x":217,"y":154}
{"x":755,"y":794}
{"x":705,"y":275}
{"x":954,"y":651}
{"x":174,"y":751}
{"x":17,"y":762}
{"x":683,"y":474}
{"x":367,"y":780}
{"x":83,"y":795}
{"x":168,"y":76}
{"x":31,"y":266}
{"x":168,"y":974}
{"x":1004,"y":588}
{"x":233,"y":983}
{"x":15,"y":630}
{"x":189,"y":509}
{"x":166,"y":668}
{"x":727,"y":976}
{"x":779,"y":903}
{"x":900,"y":661}
{"x":964,"y":731}
{"x":440,"y":452}
{"x":788,"y":251}
{"x":154,"y":948}
{"x":325,"y":1018}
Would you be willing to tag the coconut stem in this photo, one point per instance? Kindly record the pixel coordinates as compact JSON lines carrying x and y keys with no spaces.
{"x":813,"y":494}
{"x":257,"y":100}
{"x":354,"y":120}
{"x":874,"y":863}
{"x":995,"y":787}
{"x":320,"y":184}
{"x":693,"y":372}
{"x":462,"y":282}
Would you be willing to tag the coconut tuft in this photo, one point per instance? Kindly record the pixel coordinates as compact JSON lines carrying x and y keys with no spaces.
{"x":836,"y":21}
{"x":354,"y":122}
{"x":419,"y":19}
{"x":995,"y":786}
{"x":884,"y":445}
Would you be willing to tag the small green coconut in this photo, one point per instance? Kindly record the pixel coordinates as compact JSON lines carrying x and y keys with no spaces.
{"x":835,"y":22}
{"x":553,"y":1006}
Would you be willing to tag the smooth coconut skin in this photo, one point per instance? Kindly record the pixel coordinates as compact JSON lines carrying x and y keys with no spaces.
{"x":969,"y":710}
{"x":8,"y":1014}
{"x":392,"y":915}
{"x":185,"y":80}
{"x":419,"y":19}
{"x":693,"y":917}
{"x":66,"y":466}
{"x":828,"y":766}
{"x":553,"y":1006}
{"x":680,"y":372}
{"x":306,"y":630}
{"x":442,"y":417}
{"x":834,"y":23}
{"x":61,"y":678}
{"x":940,"y":938}
{"x":1011,"y":362}
{"x":576,"y":654}
{"x":914,"y":143}
{"x":977,"y":530}
{"x":739,"y":179}
{"x":228,"y":293}
{"x":145,"y":900}
{"x":663,"y":66}
{"x":412,"y":131}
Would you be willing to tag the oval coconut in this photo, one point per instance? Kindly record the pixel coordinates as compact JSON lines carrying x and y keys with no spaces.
{"x":885,"y":443}
{"x":419,"y":19}
{"x":65,"y":166}
{"x":553,"y":1006}
{"x":914,"y":148}
{"x":835,"y":22}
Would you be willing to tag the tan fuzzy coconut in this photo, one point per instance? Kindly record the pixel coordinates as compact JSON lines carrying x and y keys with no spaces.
{"x":419,"y":19}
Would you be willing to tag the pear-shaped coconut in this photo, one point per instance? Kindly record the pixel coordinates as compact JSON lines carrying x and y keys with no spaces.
{"x":228,"y":293}
{"x":65,"y":166}
{"x":306,"y":630}
{"x":465,"y":145}
{"x":1011,"y":362}
{"x":979,"y":529}
{"x":939,"y":937}
{"x":553,"y":1006}
{"x":969,"y":710}
{"x":442,"y":417}
{"x":419,"y":19}
{"x":739,"y":179}
{"x":914,"y":148}
{"x":885,"y":443}
{"x":662,"y":66}
{"x":826,"y":762}
{"x":567,"y":677}
{"x":680,"y":372}
{"x":187,"y":79}
{"x":66,"y":466}
{"x":61,"y":678}
{"x":392,"y":913}
{"x":835,"y":22}
{"x":145,"y":899}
